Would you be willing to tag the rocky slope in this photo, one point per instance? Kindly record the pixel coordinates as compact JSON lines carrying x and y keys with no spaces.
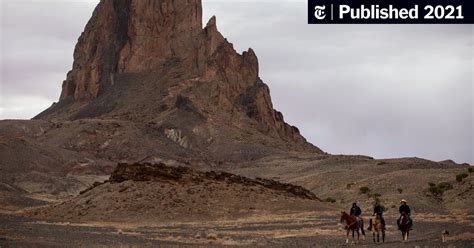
{"x":342,"y":179}
{"x":147,"y":193}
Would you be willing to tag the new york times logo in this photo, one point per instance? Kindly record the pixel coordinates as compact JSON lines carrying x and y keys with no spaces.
{"x":390,"y":11}
{"x":319,"y":12}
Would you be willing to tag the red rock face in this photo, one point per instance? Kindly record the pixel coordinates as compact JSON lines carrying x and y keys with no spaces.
{"x":163,"y":29}
{"x":131,"y":36}
{"x":142,"y":37}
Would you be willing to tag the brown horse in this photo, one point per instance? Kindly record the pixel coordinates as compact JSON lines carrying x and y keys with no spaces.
{"x":352,"y":225}
{"x":405,"y":226}
{"x":378,"y":227}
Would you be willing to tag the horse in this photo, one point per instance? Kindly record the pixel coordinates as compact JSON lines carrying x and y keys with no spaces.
{"x":352,"y":225}
{"x":405,"y":226}
{"x":378,"y":227}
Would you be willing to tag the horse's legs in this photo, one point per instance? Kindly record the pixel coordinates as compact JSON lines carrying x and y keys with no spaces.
{"x":373,"y":235}
{"x":383,"y":236}
{"x":347,"y":236}
{"x":408,"y":233}
{"x":362,"y":226}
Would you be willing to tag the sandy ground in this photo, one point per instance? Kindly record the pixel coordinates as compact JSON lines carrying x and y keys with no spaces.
{"x":308,"y":229}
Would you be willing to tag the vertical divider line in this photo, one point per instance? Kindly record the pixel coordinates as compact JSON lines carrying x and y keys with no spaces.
{"x":332,"y":12}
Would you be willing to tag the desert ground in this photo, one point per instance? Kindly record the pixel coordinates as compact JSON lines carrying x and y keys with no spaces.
{"x":199,"y":210}
{"x":308,"y":229}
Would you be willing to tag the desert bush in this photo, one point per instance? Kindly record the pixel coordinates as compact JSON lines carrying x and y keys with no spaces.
{"x":364,"y":190}
{"x":460,"y":177}
{"x":470,"y":170}
{"x":439,"y":189}
{"x":445,"y":186}
{"x":400,"y":190}
{"x":331,"y":200}
{"x":436,"y":191}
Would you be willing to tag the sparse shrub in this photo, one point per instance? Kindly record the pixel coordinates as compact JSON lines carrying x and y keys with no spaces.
{"x":438,"y":190}
{"x":470,"y":170}
{"x":364,"y":190}
{"x":445,"y":186}
{"x":461,"y":176}
{"x":400,"y":190}
{"x":376,"y":195}
{"x":394,"y":206}
{"x":331,"y":200}
{"x":349,"y":185}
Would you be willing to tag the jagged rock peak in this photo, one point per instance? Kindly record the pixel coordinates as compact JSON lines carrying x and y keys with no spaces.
{"x":151,"y":61}
{"x":126,"y":36}
{"x":212,"y":22}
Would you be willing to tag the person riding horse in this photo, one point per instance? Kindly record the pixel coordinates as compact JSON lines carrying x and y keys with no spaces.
{"x":356,"y":211}
{"x":378,"y":210}
{"x":404,"y":208}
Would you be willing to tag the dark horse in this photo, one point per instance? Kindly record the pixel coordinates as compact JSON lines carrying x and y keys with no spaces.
{"x":352,"y":225}
{"x":405,"y":226}
{"x":378,"y":227}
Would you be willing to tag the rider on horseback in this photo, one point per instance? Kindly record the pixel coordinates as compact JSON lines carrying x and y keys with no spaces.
{"x":404,"y":208}
{"x":355,"y":211}
{"x":378,"y":209}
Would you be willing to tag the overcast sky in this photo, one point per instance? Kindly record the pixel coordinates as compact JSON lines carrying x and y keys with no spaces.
{"x":378,"y":90}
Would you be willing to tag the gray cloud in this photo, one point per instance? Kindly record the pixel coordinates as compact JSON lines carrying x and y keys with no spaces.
{"x":37,"y":42}
{"x":380,"y":90}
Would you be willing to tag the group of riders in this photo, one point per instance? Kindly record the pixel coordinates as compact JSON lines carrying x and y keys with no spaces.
{"x":379,"y":209}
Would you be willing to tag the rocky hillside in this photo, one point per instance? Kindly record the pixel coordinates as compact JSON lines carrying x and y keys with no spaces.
{"x":430,"y":187}
{"x":147,"y":193}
